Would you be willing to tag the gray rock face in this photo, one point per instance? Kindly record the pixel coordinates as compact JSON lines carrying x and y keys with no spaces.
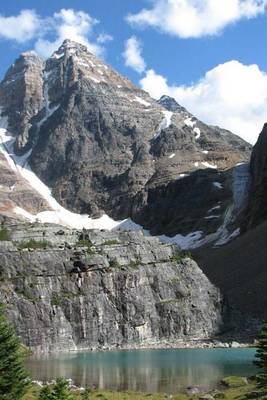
{"x":104,"y":145}
{"x":21,"y":95}
{"x":118,"y":290}
{"x":171,"y":104}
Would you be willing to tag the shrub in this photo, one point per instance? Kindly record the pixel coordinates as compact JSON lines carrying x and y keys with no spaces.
{"x":86,"y":243}
{"x":114,"y":264}
{"x":33,"y":244}
{"x":60,"y":391}
{"x":179,"y":257}
{"x":4,"y":234}
{"x":110,"y":242}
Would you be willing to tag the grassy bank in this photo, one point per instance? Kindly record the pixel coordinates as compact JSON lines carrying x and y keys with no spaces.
{"x":234,"y":388}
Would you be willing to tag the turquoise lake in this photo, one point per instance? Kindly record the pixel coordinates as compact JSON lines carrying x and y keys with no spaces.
{"x":167,"y":371}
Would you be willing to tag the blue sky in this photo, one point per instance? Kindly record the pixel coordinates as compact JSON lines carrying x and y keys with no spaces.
{"x":206,"y":66}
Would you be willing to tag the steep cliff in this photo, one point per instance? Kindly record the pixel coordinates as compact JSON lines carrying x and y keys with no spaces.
{"x":257,"y":207}
{"x":73,"y":290}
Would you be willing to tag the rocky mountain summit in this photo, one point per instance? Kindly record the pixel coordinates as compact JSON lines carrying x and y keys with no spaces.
{"x":91,"y":289}
{"x":106,"y":147}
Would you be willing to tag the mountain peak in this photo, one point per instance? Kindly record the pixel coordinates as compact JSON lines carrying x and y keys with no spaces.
{"x":170,"y":104}
{"x":70,"y":47}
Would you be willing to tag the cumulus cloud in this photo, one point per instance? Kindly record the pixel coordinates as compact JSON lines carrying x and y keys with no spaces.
{"x":104,"y":37}
{"x":21,"y":27}
{"x":196,"y":18}
{"x":69,"y":24}
{"x":49,"y":33}
{"x":231,"y":95}
{"x":133,"y":55}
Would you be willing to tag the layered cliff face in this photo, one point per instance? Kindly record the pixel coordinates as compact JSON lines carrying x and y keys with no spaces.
{"x":105,"y":146}
{"x":94,"y":290}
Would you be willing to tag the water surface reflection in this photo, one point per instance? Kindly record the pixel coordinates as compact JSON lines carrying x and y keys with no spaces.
{"x":145,"y":370}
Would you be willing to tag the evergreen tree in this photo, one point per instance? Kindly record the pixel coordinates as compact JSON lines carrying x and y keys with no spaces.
{"x":60,"y":391}
{"x":261,"y":361}
{"x":45,"y":393}
{"x":14,"y":380}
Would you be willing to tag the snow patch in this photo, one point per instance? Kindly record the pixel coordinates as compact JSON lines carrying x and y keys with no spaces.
{"x":57,"y":55}
{"x":196,"y":164}
{"x":205,"y":152}
{"x":228,"y":238}
{"x":197,"y":132}
{"x":94,"y":79}
{"x":212,"y":217}
{"x":214,"y":208}
{"x":172,"y":155}
{"x":184,"y":242}
{"x":207,"y":165}
{"x":141,"y":101}
{"x":218,"y":185}
{"x":83,"y":64}
{"x":188,"y":122}
{"x":165,"y":123}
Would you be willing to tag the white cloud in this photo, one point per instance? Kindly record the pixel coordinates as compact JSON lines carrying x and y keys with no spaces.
{"x":69,"y":24}
{"x":196,"y":18}
{"x":232,"y":95}
{"x":104,"y":37}
{"x":50,"y":32}
{"x":132,"y":55}
{"x":21,"y":27}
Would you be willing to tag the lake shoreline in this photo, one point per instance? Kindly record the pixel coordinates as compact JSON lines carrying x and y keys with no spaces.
{"x":190,"y":344}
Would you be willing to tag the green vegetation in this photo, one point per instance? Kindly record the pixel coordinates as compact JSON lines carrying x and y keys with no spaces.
{"x":234,"y":381}
{"x":86,"y":243}
{"x":59,"y":391}
{"x":114,"y":264}
{"x":260,"y":391}
{"x":58,"y":298}
{"x":135,"y":264}
{"x":27,"y":294}
{"x":14,"y":380}
{"x":179,"y":257}
{"x":261,"y":362}
{"x":235,"y":393}
{"x":34,"y":244}
{"x":169,"y":301}
{"x":4,"y":234}
{"x":110,"y":242}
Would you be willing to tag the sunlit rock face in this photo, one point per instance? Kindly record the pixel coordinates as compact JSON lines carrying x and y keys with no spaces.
{"x":21,"y":95}
{"x":113,"y":289}
{"x":106,"y":147}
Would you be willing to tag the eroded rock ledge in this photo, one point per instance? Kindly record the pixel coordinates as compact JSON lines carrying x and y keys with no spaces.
{"x":73,"y":290}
